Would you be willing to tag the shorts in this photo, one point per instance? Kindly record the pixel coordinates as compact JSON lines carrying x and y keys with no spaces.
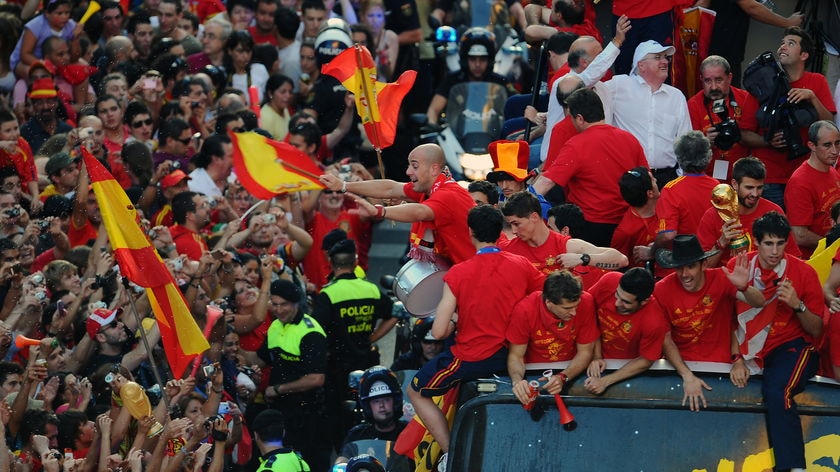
{"x":442,"y":373}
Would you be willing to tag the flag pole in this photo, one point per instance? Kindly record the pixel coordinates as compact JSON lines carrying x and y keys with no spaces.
{"x":370,"y":98}
{"x":299,"y":170}
{"x":149,"y":352}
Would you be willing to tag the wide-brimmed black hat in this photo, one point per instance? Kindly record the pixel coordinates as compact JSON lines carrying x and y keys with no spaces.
{"x":686,"y":250}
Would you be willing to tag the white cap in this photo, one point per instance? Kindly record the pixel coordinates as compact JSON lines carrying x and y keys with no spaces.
{"x":378,"y":389}
{"x":649,"y":47}
{"x":429,"y":337}
{"x":478,"y":50}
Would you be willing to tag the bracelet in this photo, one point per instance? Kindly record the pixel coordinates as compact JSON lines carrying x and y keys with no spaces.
{"x":343,"y":187}
{"x":718,"y":245}
{"x":563,"y":377}
{"x":380,"y":211}
{"x":736,"y":357}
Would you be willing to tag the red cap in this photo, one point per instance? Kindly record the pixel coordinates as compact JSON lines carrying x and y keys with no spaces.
{"x":43,"y":88}
{"x":173,"y":179}
{"x":99,"y":318}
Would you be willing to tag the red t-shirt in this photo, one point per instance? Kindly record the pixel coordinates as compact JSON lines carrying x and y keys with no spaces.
{"x":779,"y":167}
{"x":315,"y":263}
{"x":786,"y":326}
{"x":548,"y":338}
{"x":640,"y":8}
{"x":252,"y":341}
{"x":81,"y":236}
{"x":188,"y":242}
{"x":546,"y":257}
{"x":22,"y":161}
{"x":589,"y":166}
{"x":683,"y":202}
{"x":450,"y":203}
{"x":561,"y":133}
{"x":164,"y":217}
{"x":701,"y":322}
{"x":809,"y":196}
{"x":487,"y":286}
{"x":700,"y":112}
{"x":632,"y":231}
{"x":260,"y":38}
{"x":709,"y":229}
{"x":632,"y":335}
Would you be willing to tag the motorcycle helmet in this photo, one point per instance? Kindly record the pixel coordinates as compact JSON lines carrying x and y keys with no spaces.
{"x":422,"y":330}
{"x":477,"y":41}
{"x":364,"y":463}
{"x":333,"y":38}
{"x":379,"y":381}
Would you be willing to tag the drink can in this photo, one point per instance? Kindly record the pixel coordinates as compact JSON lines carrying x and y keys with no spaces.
{"x":534,"y":392}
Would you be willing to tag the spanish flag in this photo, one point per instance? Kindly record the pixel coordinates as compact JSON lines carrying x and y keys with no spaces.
{"x":181,"y":337}
{"x":417,"y":443}
{"x":377,"y":103}
{"x":268,"y":168}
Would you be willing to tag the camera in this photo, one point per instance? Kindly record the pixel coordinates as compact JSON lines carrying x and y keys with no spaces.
{"x":37,"y":279}
{"x":209,"y":370}
{"x":728,"y":131}
{"x":345,"y":171}
{"x":269,"y":218}
{"x":42,"y":224}
{"x":13,"y":212}
{"x":175,"y":166}
{"x":224,"y":408}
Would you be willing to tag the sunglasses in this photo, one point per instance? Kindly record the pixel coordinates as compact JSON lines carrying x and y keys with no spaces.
{"x":329,"y":192}
{"x":141,"y":123}
{"x":185,"y":141}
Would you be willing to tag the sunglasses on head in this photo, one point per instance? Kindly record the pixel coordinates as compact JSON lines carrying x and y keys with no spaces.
{"x":141,"y":123}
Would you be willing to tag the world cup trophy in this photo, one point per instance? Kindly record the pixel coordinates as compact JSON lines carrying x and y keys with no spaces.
{"x":137,"y":403}
{"x":725,"y":201}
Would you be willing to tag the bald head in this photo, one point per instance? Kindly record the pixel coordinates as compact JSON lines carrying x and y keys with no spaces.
{"x":431,"y":154}
{"x":582,"y":52}
{"x":567,"y":86}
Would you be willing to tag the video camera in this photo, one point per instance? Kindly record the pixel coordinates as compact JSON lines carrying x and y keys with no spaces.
{"x":767,"y":81}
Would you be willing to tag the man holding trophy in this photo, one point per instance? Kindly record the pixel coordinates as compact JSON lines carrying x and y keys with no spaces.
{"x":727,"y":225}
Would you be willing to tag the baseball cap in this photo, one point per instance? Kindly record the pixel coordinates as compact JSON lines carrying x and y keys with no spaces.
{"x":173,"y":179}
{"x":99,"y":318}
{"x":345,"y":246}
{"x":266,"y":418}
{"x":58,"y":161}
{"x":649,"y":47}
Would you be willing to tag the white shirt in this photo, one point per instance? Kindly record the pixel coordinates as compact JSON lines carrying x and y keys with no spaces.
{"x":258,"y":78}
{"x":202,"y":183}
{"x":290,"y":62}
{"x":656,"y":119}
{"x":590,"y":77}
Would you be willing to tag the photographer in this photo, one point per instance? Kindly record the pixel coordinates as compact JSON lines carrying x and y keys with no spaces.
{"x":805,"y":88}
{"x":725,"y":114}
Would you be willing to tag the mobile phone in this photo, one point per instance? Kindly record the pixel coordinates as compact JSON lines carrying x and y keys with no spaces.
{"x":224,"y":408}
{"x":269,"y":218}
{"x":209,"y":370}
{"x":195,"y":104}
{"x":149,"y":84}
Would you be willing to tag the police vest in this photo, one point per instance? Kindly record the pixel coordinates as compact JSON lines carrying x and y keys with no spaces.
{"x":287,"y":337}
{"x":283,"y":460}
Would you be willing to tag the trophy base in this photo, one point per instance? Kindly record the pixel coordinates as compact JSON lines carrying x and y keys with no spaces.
{"x":739,"y":244}
{"x":155,"y":430}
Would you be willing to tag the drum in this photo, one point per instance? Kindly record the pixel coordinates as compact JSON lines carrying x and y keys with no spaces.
{"x":419,"y":285}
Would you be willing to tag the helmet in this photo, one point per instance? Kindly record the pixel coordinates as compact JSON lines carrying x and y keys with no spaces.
{"x":379,"y":381}
{"x":333,"y":38}
{"x":364,"y":463}
{"x":477,"y":41}
{"x":422,"y":329}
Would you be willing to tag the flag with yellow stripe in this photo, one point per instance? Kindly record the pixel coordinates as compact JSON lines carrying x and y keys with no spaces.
{"x":140,"y":263}
{"x":377,"y":103}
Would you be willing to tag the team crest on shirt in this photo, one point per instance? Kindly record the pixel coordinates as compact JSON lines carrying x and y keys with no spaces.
{"x":550,"y":261}
{"x":707,"y":300}
{"x":344,"y":225}
{"x":626,"y":326}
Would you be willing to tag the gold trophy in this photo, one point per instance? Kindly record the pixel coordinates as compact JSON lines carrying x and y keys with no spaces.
{"x":725,"y":200}
{"x":135,"y":399}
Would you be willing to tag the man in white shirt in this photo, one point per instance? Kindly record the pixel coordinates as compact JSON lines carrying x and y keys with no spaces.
{"x":213,"y":165}
{"x":654,"y":112}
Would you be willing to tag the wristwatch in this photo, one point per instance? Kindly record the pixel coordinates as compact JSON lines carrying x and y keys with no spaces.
{"x":584,"y":259}
{"x":801,"y":308}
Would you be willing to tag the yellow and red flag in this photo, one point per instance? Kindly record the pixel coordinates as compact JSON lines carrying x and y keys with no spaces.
{"x":417,"y":443}
{"x":377,"y":103}
{"x":267,"y":168}
{"x":181,"y":337}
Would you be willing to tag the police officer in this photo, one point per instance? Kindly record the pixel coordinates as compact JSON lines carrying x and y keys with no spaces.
{"x":268,"y":435}
{"x":348,"y":308}
{"x":424,"y":346}
{"x":295,"y":347}
{"x":381,"y":400}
